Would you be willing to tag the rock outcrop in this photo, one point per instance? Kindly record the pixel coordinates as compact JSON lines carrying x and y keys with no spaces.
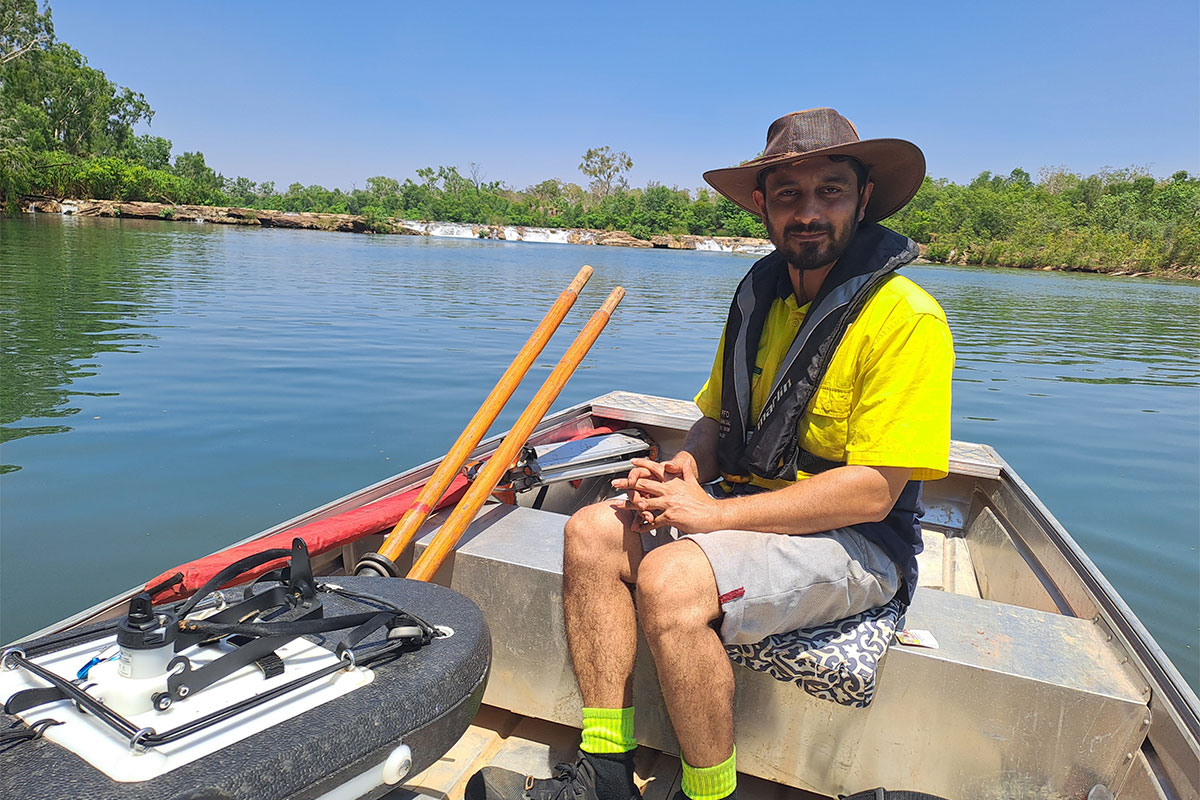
{"x":620,"y":239}
{"x":220,"y":215}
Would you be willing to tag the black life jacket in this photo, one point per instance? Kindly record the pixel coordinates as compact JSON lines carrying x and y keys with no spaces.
{"x":770,"y":446}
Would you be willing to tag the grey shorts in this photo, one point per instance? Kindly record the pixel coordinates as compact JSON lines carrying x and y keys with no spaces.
{"x":772,"y":583}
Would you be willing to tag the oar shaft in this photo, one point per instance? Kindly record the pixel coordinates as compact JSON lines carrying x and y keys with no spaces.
{"x":491,"y":473}
{"x":406,"y":529}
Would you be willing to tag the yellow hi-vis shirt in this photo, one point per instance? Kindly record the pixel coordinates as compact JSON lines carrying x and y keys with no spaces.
{"x":885,"y":400}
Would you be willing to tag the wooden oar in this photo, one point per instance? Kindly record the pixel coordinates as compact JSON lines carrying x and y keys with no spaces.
{"x":491,"y":473}
{"x":381,"y":563}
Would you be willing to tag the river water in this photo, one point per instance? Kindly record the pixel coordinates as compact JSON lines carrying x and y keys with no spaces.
{"x":171,"y":387}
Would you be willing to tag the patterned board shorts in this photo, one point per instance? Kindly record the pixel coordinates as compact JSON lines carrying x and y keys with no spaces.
{"x":773,"y":583}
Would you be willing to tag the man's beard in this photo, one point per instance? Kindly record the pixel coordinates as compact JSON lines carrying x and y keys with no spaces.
{"x":813,"y":255}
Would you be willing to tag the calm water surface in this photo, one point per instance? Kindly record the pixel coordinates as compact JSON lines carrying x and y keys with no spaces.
{"x":168,"y":388}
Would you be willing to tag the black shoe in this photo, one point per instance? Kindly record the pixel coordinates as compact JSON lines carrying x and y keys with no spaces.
{"x":679,"y":795}
{"x":567,"y":782}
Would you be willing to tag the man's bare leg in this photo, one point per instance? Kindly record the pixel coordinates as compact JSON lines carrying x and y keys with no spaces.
{"x":679,"y":609}
{"x":600,"y":559}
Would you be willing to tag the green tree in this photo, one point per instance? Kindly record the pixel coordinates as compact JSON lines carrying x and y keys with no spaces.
{"x":69,"y":106}
{"x":384,"y":193}
{"x":546,"y":198}
{"x":209,"y":183}
{"x":606,"y":169}
{"x":152,"y":152}
{"x":23,"y":28}
{"x":242,"y":191}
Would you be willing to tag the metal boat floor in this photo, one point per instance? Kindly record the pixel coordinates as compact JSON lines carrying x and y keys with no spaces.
{"x":531,"y":746}
{"x":945,"y":564}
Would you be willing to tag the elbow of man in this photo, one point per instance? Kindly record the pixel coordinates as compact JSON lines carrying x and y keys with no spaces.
{"x":878,"y":502}
{"x":880,"y":489}
{"x":878,"y":508}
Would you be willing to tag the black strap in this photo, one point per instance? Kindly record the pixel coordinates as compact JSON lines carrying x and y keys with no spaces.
{"x":159,"y":588}
{"x":884,"y":794}
{"x":22,"y":731}
{"x":813,"y":464}
{"x":300,"y":627}
{"x":32,"y":698}
{"x":229,"y":573}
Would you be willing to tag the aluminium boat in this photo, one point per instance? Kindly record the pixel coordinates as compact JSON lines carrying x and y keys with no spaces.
{"x":1036,"y":680}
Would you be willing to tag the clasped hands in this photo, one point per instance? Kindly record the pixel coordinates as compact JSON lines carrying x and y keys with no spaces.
{"x":662,"y":493}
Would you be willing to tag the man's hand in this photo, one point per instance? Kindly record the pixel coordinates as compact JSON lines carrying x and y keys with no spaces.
{"x":669,"y":493}
{"x":643,"y":469}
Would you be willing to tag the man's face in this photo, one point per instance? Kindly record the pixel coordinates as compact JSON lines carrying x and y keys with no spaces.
{"x":812,"y":210}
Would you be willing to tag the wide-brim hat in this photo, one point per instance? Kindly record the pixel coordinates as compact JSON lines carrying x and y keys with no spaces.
{"x":895,"y":166}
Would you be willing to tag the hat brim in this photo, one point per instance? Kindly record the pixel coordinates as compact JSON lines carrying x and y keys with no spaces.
{"x":896,"y":167}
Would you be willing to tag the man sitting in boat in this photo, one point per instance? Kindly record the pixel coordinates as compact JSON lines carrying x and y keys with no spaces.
{"x":827,"y":405}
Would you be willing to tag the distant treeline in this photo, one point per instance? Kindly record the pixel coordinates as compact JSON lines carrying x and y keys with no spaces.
{"x":66,"y":131}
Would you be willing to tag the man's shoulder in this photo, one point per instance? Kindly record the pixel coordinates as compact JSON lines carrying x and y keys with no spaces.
{"x":898,"y":295}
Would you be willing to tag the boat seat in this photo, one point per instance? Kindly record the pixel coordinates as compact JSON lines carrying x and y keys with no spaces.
{"x":836,"y":661}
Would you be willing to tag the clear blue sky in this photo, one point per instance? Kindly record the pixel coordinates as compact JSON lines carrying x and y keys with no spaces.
{"x":333,"y":93}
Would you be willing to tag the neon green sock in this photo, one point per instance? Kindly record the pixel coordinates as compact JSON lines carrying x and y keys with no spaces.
{"x":607,"y":730}
{"x":710,"y":783}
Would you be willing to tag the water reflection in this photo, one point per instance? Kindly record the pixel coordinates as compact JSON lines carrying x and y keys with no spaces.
{"x":1133,"y":332}
{"x":69,"y":291}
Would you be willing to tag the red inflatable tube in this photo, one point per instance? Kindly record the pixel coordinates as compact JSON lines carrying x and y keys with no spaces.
{"x":320,"y":536}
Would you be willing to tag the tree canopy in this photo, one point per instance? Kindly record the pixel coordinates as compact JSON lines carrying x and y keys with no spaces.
{"x":606,"y":169}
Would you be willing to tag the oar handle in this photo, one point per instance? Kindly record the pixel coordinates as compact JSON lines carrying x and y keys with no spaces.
{"x":406,"y":529}
{"x":491,"y":473}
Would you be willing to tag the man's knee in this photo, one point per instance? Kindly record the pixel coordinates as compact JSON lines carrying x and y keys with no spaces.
{"x":594,"y":533}
{"x":676,"y":588}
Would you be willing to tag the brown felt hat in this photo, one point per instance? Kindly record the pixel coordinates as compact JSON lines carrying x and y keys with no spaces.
{"x":895,"y":166}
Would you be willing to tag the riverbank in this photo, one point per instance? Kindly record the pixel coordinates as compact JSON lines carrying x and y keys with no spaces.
{"x":350,"y":223}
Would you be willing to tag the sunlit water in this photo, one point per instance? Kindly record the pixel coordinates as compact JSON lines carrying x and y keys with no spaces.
{"x":169,"y":388}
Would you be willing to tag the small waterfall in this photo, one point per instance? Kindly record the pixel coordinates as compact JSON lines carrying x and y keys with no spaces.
{"x":543,"y":235}
{"x":518,"y":233}
{"x":734,"y":246}
{"x":457,"y":230}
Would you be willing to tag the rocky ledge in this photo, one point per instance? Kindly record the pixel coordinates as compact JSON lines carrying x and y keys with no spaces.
{"x":349,"y":223}
{"x":220,"y":215}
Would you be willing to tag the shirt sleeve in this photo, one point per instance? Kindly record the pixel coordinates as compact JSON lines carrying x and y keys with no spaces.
{"x":902,"y":417}
{"x":709,"y":398}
